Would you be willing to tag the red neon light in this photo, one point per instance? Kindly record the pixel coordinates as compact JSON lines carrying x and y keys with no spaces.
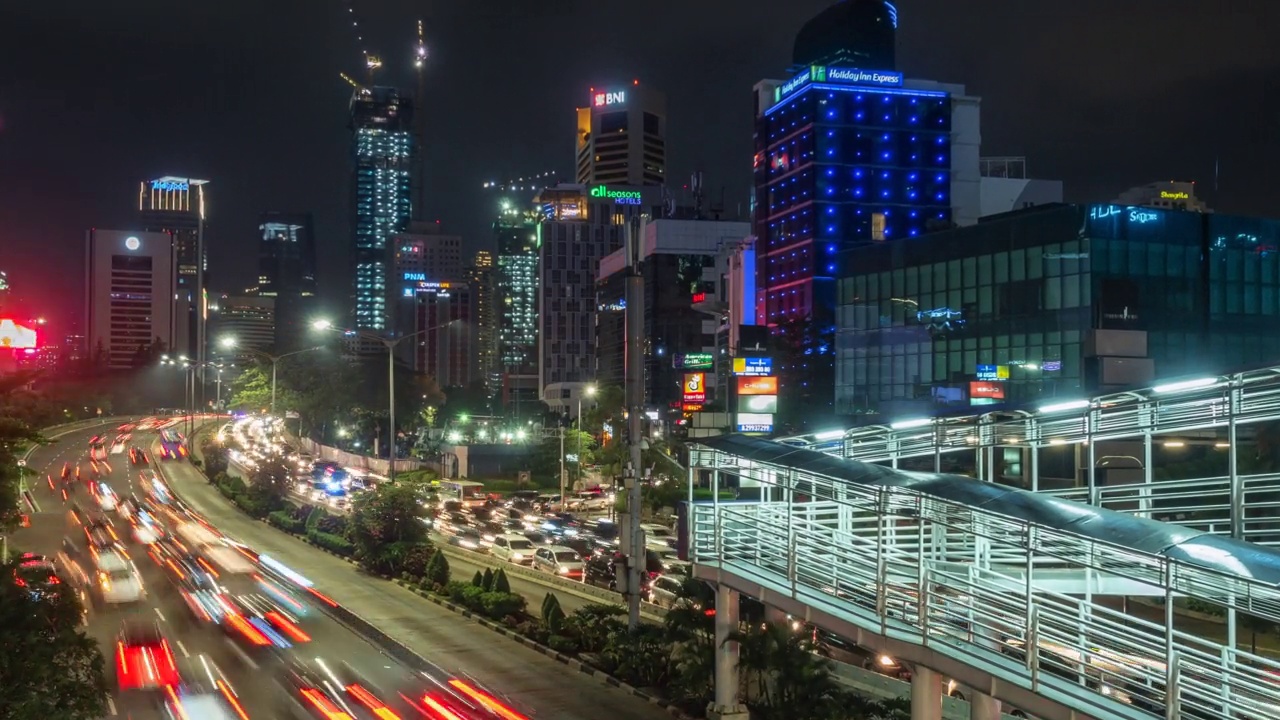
{"x":699,"y":297}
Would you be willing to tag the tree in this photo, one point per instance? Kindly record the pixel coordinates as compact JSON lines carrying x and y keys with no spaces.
{"x":274,"y":477}
{"x":610,"y":401}
{"x":49,"y":668}
{"x":15,"y":435}
{"x":387,"y":515}
{"x":545,"y":462}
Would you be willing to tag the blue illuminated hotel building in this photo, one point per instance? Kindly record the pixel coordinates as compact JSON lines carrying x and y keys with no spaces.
{"x":382,"y":150}
{"x":848,"y":157}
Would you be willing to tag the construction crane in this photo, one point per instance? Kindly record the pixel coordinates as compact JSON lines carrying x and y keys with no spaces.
{"x":420,"y":126}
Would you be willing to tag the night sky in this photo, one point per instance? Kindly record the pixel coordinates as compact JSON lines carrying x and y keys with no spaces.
{"x":95,"y":97}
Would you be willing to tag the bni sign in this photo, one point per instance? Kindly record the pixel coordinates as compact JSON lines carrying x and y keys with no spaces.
{"x":605,"y":99}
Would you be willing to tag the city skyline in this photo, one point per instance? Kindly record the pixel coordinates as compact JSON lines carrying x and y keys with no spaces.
{"x":1168,"y":126}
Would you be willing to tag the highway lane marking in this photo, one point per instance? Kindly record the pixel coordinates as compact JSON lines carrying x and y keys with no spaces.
{"x":111,"y":706}
{"x":239,"y":651}
{"x":183,"y":648}
{"x":162,"y":617}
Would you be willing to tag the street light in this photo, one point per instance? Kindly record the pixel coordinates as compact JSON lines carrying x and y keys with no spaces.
{"x":390,"y":343}
{"x":230,"y":342}
{"x":589,"y":391}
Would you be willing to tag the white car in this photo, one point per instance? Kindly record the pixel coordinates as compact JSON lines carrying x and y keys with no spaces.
{"x":665,"y":590}
{"x":559,"y":560}
{"x":658,"y":537}
{"x":513,"y":548}
{"x":118,"y":580}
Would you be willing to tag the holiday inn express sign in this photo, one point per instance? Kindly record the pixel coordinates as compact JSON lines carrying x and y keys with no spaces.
{"x":837,"y":76}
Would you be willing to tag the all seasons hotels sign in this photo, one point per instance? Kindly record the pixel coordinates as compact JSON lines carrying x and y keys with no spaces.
{"x":837,"y":76}
{"x":619,"y":197}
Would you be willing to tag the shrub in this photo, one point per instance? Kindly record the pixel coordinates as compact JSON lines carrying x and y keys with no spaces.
{"x":315,"y":516}
{"x":285,"y":521}
{"x":563,"y":644}
{"x":499,"y":605}
{"x":500,"y":582}
{"x":552,"y":615}
{"x":455,"y":590}
{"x":332,"y":543}
{"x":477,"y":579}
{"x":332,"y":524}
{"x":300,"y":512}
{"x":487,"y":582}
{"x":416,"y":559}
{"x":437,"y":572}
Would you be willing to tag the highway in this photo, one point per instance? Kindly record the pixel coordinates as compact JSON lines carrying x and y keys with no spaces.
{"x":537,"y":686}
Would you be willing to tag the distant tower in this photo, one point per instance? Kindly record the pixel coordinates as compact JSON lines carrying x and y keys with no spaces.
{"x":852,"y":33}
{"x":176,"y":205}
{"x":382,"y":151}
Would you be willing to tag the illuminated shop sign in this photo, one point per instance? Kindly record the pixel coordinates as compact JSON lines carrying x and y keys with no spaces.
{"x":699,"y":297}
{"x":993,"y":373}
{"x":1052,"y":365}
{"x":753,"y":366}
{"x":986,"y":390}
{"x":605,"y":99}
{"x":695,"y":388}
{"x":415,"y":277}
{"x":693,"y":361}
{"x":424,"y":286}
{"x":757,"y":403}
{"x":757,"y":386}
{"x":619,"y":197}
{"x":169,"y":186}
{"x":1166,"y":195}
{"x":1138,"y":216}
{"x":755,"y":423}
{"x":838,"y":76}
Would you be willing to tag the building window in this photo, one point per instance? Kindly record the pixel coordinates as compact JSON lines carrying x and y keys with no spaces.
{"x":613,"y":122}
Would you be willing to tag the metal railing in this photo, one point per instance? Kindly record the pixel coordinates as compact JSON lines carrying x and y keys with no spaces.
{"x":931,"y":574}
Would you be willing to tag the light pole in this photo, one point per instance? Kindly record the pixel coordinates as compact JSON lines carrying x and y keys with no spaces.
{"x":390,"y":343}
{"x":230,"y":342}
{"x":589,"y":391}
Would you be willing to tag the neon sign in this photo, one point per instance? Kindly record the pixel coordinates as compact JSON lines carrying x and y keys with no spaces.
{"x":606,"y":99}
{"x":837,"y":76}
{"x":1135,"y":215}
{"x":619,"y":197}
{"x":699,"y":297}
{"x":415,"y":277}
{"x":1142,"y":217}
{"x":169,"y":186}
{"x":1166,"y":195}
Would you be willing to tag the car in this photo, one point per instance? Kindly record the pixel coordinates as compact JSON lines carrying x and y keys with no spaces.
{"x":586,"y":546}
{"x":559,"y":560}
{"x":513,"y":548}
{"x":137,"y":456}
{"x":118,"y":579}
{"x":657,"y":536}
{"x":602,"y":571}
{"x":467,"y":538}
{"x":37,"y":574}
{"x":590,"y":502}
{"x":268,"y":618}
{"x":144,"y":660}
{"x":604,"y":530}
{"x":100,"y":533}
{"x":329,"y":690}
{"x":665,"y":590}
{"x":204,"y":693}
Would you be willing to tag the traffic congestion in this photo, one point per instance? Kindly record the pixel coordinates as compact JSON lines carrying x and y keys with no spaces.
{"x":192,"y":622}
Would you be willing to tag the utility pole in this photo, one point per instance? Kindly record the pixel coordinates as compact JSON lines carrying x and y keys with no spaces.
{"x":633,"y":540}
{"x":564,"y":503}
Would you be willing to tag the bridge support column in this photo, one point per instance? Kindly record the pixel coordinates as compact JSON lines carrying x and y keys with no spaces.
{"x":726,"y":706}
{"x":983,"y":707}
{"x":926,"y":694}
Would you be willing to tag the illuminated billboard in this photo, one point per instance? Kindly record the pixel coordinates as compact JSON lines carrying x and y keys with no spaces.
{"x":694,"y":361}
{"x":753,"y":366}
{"x":758,"y":404}
{"x":986,"y":390}
{"x":15,"y":336}
{"x":695,"y":388}
{"x":754,"y":423}
{"x":757,"y":386}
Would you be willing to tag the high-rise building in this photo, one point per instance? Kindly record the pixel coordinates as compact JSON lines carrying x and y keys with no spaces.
{"x":130,"y":285}
{"x":516,"y":301}
{"x":287,"y":274}
{"x":570,"y":251}
{"x":680,"y":271}
{"x":848,"y":155}
{"x":484,"y":288}
{"x":249,"y":319}
{"x":622,"y":137}
{"x":444,"y":315}
{"x":424,"y":257}
{"x":382,"y":152}
{"x":176,"y":205}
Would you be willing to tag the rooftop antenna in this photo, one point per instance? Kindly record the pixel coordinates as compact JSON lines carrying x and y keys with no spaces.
{"x":371,"y":61}
{"x":695,"y":185}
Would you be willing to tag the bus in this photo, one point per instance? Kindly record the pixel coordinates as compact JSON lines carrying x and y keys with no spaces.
{"x":467,"y":492}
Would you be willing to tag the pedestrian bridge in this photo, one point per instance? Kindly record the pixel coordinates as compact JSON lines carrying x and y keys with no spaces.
{"x":991,"y":586}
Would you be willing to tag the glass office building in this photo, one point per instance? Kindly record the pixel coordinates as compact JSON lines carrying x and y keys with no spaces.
{"x":382,"y":148}
{"x":844,"y":157}
{"x":1054,"y":302}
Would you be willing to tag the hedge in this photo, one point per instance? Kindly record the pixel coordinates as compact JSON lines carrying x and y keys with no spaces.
{"x":285,"y":520}
{"x":333,"y":543}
